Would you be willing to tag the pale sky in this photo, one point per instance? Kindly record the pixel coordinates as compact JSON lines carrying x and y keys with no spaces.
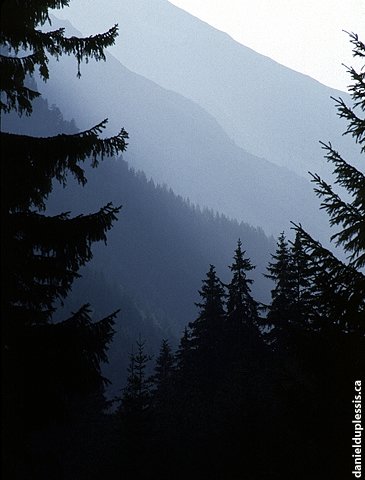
{"x":305,"y":35}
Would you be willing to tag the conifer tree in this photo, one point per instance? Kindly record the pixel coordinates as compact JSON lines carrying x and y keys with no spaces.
{"x":304,"y":297}
{"x":206,"y":329}
{"x":184,"y":365}
{"x":341,"y":285}
{"x":241,"y":307}
{"x":135,"y":415}
{"x":182,"y":356}
{"x":281,"y":308}
{"x":292,"y":306}
{"x":163,"y":375}
{"x":207,"y":334}
{"x":137,"y":393}
{"x":41,"y":254}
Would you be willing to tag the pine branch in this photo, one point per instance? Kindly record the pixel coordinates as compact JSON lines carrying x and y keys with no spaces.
{"x":28,"y":167}
{"x":347,"y":175}
{"x":356,"y":125}
{"x":350,"y":216}
{"x":341,"y":287}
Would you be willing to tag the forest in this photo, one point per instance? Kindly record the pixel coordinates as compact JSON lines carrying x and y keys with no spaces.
{"x":118,"y":359}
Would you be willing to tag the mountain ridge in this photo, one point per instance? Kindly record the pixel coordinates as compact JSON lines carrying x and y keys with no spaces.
{"x":268,"y":109}
{"x":176,"y":142}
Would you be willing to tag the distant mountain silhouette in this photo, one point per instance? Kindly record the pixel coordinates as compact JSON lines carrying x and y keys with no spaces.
{"x":268,"y":109}
{"x":178,"y":143}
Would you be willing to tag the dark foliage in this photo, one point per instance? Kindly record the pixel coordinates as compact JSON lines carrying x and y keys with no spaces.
{"x":273,"y":401}
{"x":49,"y":368}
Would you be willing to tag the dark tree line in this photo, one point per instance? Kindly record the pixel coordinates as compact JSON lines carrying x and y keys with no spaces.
{"x":248,"y":392}
{"x":264,"y":391}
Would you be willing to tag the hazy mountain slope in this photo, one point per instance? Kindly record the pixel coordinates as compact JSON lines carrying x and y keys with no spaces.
{"x":161,"y":247}
{"x":156,"y":257}
{"x":266,"y":108}
{"x":178,"y":143}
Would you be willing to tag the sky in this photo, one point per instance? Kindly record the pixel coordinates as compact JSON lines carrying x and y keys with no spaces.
{"x":305,"y":35}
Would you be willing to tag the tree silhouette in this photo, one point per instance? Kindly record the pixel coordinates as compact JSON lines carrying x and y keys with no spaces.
{"x":241,"y":326}
{"x":46,"y":364}
{"x":207,"y":329}
{"x":137,"y":393}
{"x":341,"y":285}
{"x":163,"y":375}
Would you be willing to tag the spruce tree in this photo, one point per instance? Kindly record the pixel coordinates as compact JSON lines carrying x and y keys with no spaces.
{"x":135,"y":415}
{"x":46,"y":364}
{"x":163,"y":375}
{"x":165,"y":400}
{"x":137,"y":393}
{"x":207,"y":334}
{"x":207,"y":328}
{"x":304,"y":298}
{"x":336,"y":351}
{"x":42,"y":254}
{"x":281,"y":308}
{"x":185,"y":372}
{"x":183,"y":353}
{"x":341,"y":284}
{"x":292,"y":309}
{"x":241,"y":307}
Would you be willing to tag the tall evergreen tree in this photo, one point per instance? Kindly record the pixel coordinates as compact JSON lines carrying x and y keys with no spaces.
{"x":41,"y":254}
{"x":163,"y":375}
{"x":137,"y":393}
{"x":336,"y":351}
{"x":241,"y":307}
{"x":206,"y":329}
{"x":242,"y":335}
{"x":341,"y":285}
{"x":183,"y":353}
{"x":281,"y":308}
{"x":292,"y":305}
{"x":304,"y":298}
{"x":135,"y":415}
{"x":207,"y":333}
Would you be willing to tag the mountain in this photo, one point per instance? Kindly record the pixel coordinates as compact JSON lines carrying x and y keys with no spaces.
{"x":176,"y":142}
{"x":266,"y":108}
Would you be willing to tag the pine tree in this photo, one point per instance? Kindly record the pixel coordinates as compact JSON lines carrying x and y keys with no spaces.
{"x":165,"y":401}
{"x":135,"y":415}
{"x":163,"y":375}
{"x":206,"y":329}
{"x":185,"y":372}
{"x":241,"y":307}
{"x":137,"y":393}
{"x":293,"y":300}
{"x":304,"y":297}
{"x":341,"y":285}
{"x":280,"y":310}
{"x":183,"y":353}
{"x":41,"y":254}
{"x":207,"y":335}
